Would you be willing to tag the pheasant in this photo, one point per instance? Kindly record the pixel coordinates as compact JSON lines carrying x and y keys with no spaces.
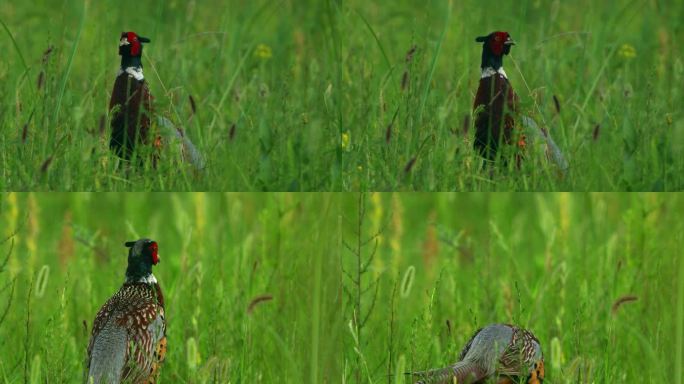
{"x":131,"y":102}
{"x":132,"y":110}
{"x":496,"y":121}
{"x":501,"y":351}
{"x":495,"y":96}
{"x":128,"y":340}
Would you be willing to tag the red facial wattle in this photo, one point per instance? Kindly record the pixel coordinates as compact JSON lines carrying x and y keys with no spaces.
{"x":497,"y":43}
{"x":155,"y":253}
{"x":135,"y":44}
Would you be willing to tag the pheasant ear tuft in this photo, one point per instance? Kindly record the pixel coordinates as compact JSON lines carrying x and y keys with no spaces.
{"x":481,"y":39}
{"x":129,"y":244}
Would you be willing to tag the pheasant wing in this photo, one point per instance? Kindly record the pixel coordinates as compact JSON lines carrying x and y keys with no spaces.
{"x":146,"y":326}
{"x":107,"y":352}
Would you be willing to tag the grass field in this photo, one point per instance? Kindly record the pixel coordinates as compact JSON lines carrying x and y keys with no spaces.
{"x":218,"y":254}
{"x":558,"y":265}
{"x":321,"y":95}
{"x":443,"y":265}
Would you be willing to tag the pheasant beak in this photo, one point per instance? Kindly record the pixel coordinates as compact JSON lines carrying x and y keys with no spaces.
{"x":509,"y":41}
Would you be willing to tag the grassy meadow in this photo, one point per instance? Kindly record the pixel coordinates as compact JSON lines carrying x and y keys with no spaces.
{"x":362,"y":287}
{"x":222,"y":256}
{"x":313,"y":95}
{"x":598,"y":278}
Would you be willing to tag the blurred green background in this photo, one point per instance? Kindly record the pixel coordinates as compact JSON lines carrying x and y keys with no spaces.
{"x":562,"y":265}
{"x":323,"y":95}
{"x":219,"y":252}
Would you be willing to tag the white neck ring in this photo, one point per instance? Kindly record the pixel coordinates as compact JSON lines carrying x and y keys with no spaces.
{"x":489,"y":71}
{"x":135,"y":72}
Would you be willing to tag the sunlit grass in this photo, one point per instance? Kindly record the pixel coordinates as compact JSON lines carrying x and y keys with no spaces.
{"x":329,"y":95}
{"x":221,"y":255}
{"x":593,"y":276}
{"x":261,"y":288}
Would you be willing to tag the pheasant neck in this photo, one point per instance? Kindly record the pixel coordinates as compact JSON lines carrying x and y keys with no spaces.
{"x":131,"y":61}
{"x":489,"y":59}
{"x":489,"y":71}
{"x":145,"y":279}
{"x":132,"y":66}
{"x":135,"y":72}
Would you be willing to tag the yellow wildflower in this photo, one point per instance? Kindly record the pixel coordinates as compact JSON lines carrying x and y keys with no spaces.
{"x":627,"y":51}
{"x":345,"y":140}
{"x":263,"y":52}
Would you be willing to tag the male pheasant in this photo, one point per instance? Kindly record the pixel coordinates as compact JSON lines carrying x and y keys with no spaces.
{"x":131,"y":102}
{"x":500,"y":351}
{"x":132,"y":110}
{"x":128,"y":340}
{"x":495,"y":122}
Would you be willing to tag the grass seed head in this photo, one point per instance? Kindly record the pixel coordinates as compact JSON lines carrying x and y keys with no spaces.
{"x":622,"y":300}
{"x":47,"y":53}
{"x":557,"y":104}
{"x":405,"y":80}
{"x":193,"y":106}
{"x":409,"y":165}
{"x":256,"y":301}
{"x":410,"y":53}
{"x":46,"y":164}
{"x":466,"y":125}
{"x":231,"y":132}
{"x":41,"y":80}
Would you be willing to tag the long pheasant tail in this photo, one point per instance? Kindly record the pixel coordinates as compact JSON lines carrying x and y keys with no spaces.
{"x":553,"y":151}
{"x":189,"y":151}
{"x":462,"y":373}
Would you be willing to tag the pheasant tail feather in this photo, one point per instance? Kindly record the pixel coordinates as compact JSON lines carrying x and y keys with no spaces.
{"x":462,"y":372}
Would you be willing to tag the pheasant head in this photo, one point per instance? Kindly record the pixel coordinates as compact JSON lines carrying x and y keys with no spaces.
{"x":142,"y":255}
{"x":494,"y":47}
{"x":130,"y":49}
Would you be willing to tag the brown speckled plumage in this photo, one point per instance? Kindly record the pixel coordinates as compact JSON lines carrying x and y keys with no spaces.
{"x":128,"y":339}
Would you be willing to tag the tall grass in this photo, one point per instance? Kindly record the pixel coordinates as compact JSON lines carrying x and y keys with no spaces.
{"x":276,"y":121}
{"x":590,"y":275}
{"x":328,"y":288}
{"x":222,"y":258}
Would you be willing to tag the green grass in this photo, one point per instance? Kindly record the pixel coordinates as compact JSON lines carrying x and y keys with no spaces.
{"x":218,"y":253}
{"x":557,"y":264}
{"x":441,"y":265}
{"x":337,"y":69}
